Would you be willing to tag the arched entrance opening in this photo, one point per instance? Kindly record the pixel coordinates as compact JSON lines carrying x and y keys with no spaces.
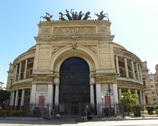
{"x":74,"y":86}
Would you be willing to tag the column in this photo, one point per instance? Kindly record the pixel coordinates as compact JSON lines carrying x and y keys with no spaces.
{"x":12,"y":100}
{"x":22,"y":99}
{"x":133,"y":70}
{"x":141,"y":99}
{"x":129,"y":90}
{"x":98,"y":100}
{"x":136,"y":93}
{"x":15,"y":73}
{"x":16,"y":100}
{"x":140,"y":74}
{"x":144,"y":102}
{"x":19,"y":76}
{"x":25,"y":71}
{"x":126,"y":67}
{"x":137,"y":71}
{"x":92,"y":81}
{"x":56,"y":82}
{"x":33,"y":94}
{"x":50,"y":96}
{"x":115,"y":93}
{"x":120,"y":92}
{"x":117,"y":66}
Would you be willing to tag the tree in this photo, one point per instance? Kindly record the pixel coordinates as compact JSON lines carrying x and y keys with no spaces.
{"x":128,"y":99}
{"x":4,"y":95}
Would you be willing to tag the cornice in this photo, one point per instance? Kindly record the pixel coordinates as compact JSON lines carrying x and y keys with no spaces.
{"x":74,"y":37}
{"x":74,"y":22}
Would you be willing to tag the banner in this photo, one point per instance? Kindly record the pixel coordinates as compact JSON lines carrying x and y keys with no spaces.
{"x":107,"y":101}
{"x":41,"y":101}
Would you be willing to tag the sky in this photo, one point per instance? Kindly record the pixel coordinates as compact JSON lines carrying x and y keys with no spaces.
{"x":133,"y":22}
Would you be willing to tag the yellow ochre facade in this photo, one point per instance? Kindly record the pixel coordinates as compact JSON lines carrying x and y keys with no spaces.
{"x":74,"y":63}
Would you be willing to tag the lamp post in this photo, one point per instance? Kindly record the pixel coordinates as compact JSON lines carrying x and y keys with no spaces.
{"x":109,"y":90}
{"x":123,"y":115}
{"x":102,"y":106}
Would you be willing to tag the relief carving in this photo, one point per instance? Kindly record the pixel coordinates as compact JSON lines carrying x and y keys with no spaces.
{"x":45,"y":31}
{"x":72,"y":30}
{"x":55,"y":49}
{"x":106,"y":79}
{"x":93,"y":48}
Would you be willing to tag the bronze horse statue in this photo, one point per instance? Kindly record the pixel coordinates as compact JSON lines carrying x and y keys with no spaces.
{"x":68,"y":15}
{"x":61,"y":16}
{"x":80,"y":15}
{"x":101,"y":15}
{"x":87,"y":16}
{"x":47,"y":16}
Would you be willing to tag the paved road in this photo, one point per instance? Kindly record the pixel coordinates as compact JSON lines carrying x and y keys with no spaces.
{"x":147,"y":122}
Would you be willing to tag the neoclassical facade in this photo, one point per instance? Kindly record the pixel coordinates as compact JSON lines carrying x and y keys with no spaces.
{"x":73,"y":64}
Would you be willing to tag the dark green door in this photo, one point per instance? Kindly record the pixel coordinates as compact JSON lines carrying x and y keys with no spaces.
{"x":74,"y":86}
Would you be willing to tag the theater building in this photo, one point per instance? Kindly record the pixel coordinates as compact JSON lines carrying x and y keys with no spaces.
{"x":74,"y":63}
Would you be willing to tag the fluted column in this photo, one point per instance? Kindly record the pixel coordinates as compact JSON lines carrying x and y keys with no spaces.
{"x":16,"y":99}
{"x":117,"y":65}
{"x":22,"y":99}
{"x":126,"y":67}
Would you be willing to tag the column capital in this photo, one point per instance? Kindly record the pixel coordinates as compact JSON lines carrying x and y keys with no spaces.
{"x":56,"y":81}
{"x":92,"y":80}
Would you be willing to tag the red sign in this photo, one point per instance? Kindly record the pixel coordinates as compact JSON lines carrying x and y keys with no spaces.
{"x":41,"y":101}
{"x":107,"y":101}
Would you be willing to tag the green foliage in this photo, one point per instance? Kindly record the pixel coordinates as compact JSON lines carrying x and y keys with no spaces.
{"x":11,"y":112}
{"x":137,"y":109}
{"x":128,"y":98}
{"x":156,"y":107}
{"x":4,"y":95}
{"x":156,"y":111}
{"x":150,"y":109}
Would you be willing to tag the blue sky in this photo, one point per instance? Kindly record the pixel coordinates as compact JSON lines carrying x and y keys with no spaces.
{"x":134,"y":24}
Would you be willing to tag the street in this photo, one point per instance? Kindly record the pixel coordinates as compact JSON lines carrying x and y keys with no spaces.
{"x":147,"y":122}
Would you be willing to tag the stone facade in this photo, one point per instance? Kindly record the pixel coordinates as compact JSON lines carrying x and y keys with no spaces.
{"x":37,"y":72}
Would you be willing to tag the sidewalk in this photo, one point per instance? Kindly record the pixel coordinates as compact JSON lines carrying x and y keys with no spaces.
{"x":119,"y":118}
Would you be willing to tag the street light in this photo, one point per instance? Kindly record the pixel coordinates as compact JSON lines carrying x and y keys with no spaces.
{"x":102,"y":106}
{"x":109,"y":91}
{"x":123,"y":115}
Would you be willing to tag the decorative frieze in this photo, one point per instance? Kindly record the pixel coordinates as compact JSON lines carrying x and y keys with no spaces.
{"x":125,"y":84}
{"x":42,"y":78}
{"x":106,"y":79}
{"x":21,"y":86}
{"x":74,"y":30}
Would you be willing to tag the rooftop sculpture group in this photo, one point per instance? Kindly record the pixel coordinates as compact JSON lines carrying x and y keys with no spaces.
{"x":75,"y":16}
